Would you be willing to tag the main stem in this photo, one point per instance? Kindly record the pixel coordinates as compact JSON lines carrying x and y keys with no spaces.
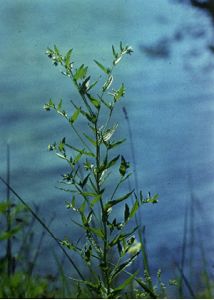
{"x":104,"y":216}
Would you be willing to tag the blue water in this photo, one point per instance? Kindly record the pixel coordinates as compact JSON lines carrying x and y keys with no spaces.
{"x":170,"y":106}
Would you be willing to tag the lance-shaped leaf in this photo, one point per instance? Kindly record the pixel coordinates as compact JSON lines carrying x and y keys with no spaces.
{"x":134,"y":209}
{"x":56,"y":50}
{"x":115,"y":144}
{"x":97,"y":231}
{"x":94,"y":101}
{"x":88,"y":194}
{"x":104,"y":69}
{"x":126,"y":213}
{"x":93,"y":142}
{"x":76,"y":158}
{"x":59,"y":106}
{"x":82,"y":209}
{"x":123,"y":166}
{"x":92,"y":85}
{"x":119,"y":93}
{"x":95,"y":200}
{"x":118,"y":269}
{"x":122,"y":237}
{"x":49,"y":105}
{"x":82,"y":151}
{"x":122,"y":286}
{"x":72,"y":204}
{"x":75,"y":115}
{"x":87,"y":254}
{"x":67,"y":58}
{"x":108,"y":83}
{"x":80,"y":73}
{"x":114,"y":52}
{"x":112,"y":162}
{"x":84,"y":181}
{"x":111,"y":203}
{"x":83,"y":87}
{"x":114,"y":225}
{"x":149,"y":198}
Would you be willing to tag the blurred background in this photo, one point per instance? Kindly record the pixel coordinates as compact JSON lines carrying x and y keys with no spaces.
{"x":169,"y":100}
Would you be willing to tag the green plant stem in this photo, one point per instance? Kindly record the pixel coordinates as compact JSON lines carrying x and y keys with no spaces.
{"x":104,"y":215}
{"x":8,"y":217}
{"x":188,"y":285}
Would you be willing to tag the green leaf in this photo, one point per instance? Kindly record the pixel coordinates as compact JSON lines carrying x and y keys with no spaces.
{"x":134,"y":209}
{"x":119,"y":247}
{"x":72,"y":204}
{"x":83,"y":88}
{"x":97,"y":231}
{"x":61,"y":146}
{"x":126,"y":213}
{"x":68,"y":58}
{"x":83,"y":183}
{"x":59,"y":106}
{"x":112,"y":162}
{"x":122,"y":237}
{"x":94,"y":101}
{"x":108,"y":83}
{"x":108,"y":105}
{"x":153,"y":199}
{"x":114,"y":202}
{"x":75,"y":115}
{"x":88,"y":194}
{"x":49,"y":105}
{"x":87,"y":254}
{"x":82,"y":209}
{"x":119,"y":93}
{"x":124,"y":284}
{"x":149,"y":198}
{"x":115,"y":144}
{"x":95,"y":200}
{"x":80,"y":73}
{"x":122,"y":266}
{"x":114,"y":52}
{"x":92,"y":85}
{"x":82,"y":151}
{"x":76,"y":158}
{"x":91,"y":117}
{"x":56,"y":50}
{"x":123,"y":166}
{"x":93,"y":142}
{"x":121,"y":46}
{"x":104,"y":69}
